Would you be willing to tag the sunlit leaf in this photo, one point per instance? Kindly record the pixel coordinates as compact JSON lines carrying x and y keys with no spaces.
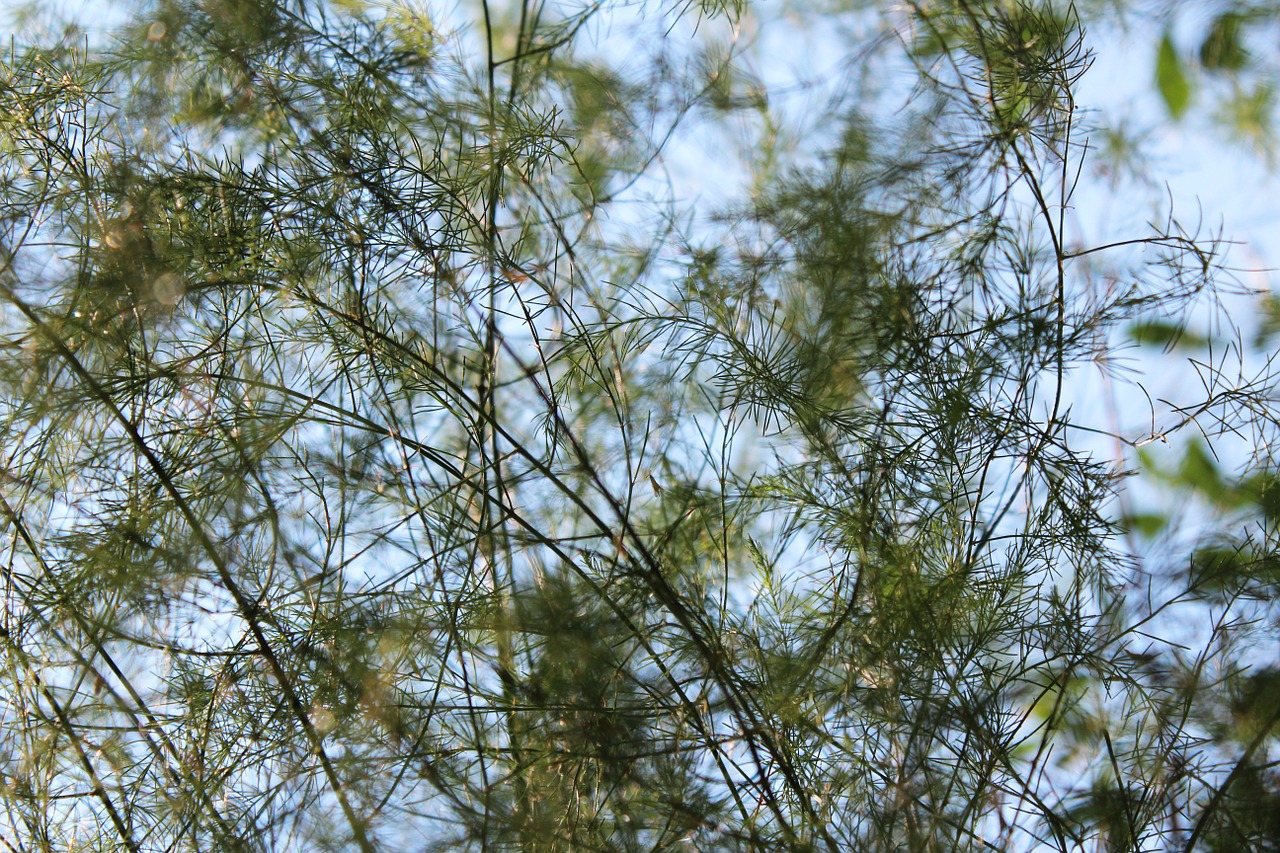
{"x":1171,"y":78}
{"x":1199,"y":471}
{"x":1147,"y":524}
{"x":1164,"y":334}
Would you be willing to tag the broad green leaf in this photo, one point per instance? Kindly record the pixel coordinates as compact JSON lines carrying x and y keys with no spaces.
{"x":1263,"y":489}
{"x":1223,"y":49}
{"x":1256,"y":704}
{"x":1171,"y":78}
{"x":1164,"y":334}
{"x":1147,"y":524}
{"x":1200,"y":472}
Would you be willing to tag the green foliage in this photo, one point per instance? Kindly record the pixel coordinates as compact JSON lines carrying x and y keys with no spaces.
{"x":1223,"y":48}
{"x":1163,"y":334}
{"x":398,"y":452}
{"x":1213,"y":55}
{"x":1171,"y":79}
